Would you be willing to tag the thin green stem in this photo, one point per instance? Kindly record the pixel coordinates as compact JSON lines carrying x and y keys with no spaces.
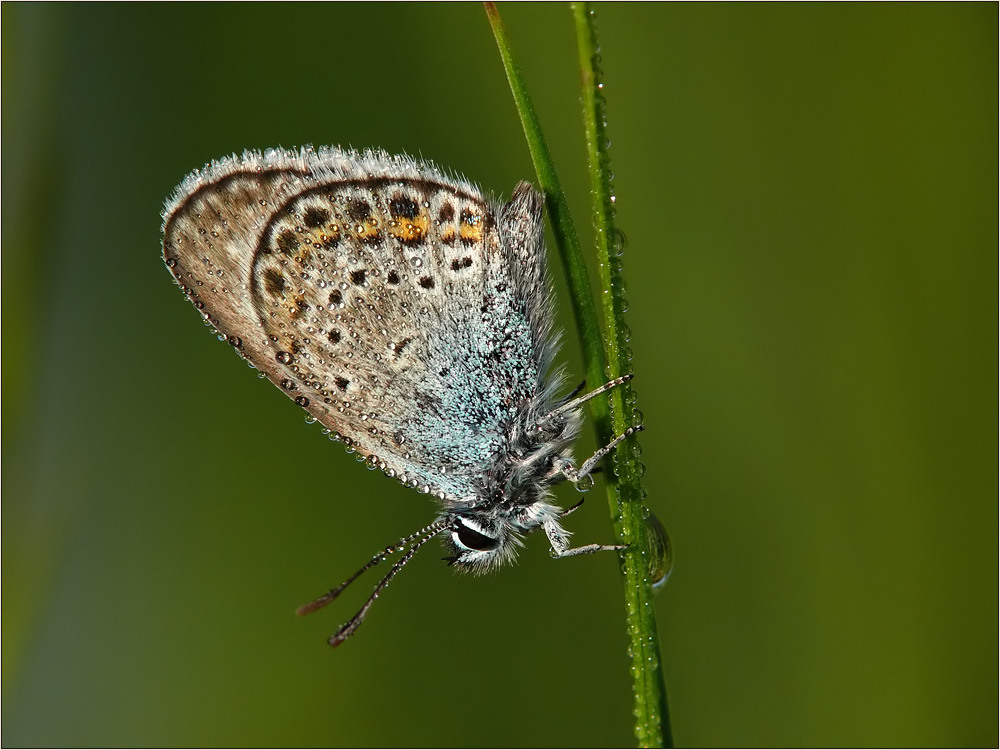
{"x":567,"y":242}
{"x":626,"y":496}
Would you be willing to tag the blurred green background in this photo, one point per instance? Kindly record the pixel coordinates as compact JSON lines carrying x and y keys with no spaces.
{"x":810,"y":198}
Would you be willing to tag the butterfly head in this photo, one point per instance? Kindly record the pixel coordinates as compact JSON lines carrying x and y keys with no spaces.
{"x":479,"y":541}
{"x":482,"y":539}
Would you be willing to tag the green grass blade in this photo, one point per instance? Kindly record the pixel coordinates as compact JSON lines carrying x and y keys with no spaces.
{"x":626,"y":497}
{"x":604,"y":360}
{"x":567,"y":241}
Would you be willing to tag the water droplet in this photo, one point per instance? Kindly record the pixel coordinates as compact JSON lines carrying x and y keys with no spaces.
{"x":661,"y":559}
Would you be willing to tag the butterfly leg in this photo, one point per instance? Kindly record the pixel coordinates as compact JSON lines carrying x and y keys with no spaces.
{"x":559,"y":539}
{"x":587,"y":468}
{"x":558,"y":536}
{"x":573,"y":403}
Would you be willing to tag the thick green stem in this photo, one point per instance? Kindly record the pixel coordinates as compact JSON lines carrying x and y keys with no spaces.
{"x":626,"y":496}
{"x":604,"y":360}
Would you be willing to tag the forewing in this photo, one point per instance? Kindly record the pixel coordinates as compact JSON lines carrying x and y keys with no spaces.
{"x":373,"y":290}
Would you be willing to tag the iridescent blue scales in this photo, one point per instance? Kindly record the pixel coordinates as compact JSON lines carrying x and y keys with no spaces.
{"x":407,"y":313}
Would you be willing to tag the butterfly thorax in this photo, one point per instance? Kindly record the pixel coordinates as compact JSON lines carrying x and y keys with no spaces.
{"x":487,"y":530}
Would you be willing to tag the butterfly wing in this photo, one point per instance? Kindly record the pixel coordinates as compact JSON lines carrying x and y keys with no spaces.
{"x":404,"y":311}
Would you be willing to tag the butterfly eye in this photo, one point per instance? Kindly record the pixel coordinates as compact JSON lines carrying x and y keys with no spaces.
{"x":472,"y":539}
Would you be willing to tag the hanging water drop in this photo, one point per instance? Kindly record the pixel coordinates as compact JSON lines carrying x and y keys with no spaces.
{"x":661,"y":559}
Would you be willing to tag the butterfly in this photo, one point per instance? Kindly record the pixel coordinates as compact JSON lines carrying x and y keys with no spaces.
{"x":409,"y":315}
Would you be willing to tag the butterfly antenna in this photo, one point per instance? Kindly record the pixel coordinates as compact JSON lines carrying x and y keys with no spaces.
{"x":422,"y":536}
{"x":332,"y":594}
{"x":345,"y":630}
